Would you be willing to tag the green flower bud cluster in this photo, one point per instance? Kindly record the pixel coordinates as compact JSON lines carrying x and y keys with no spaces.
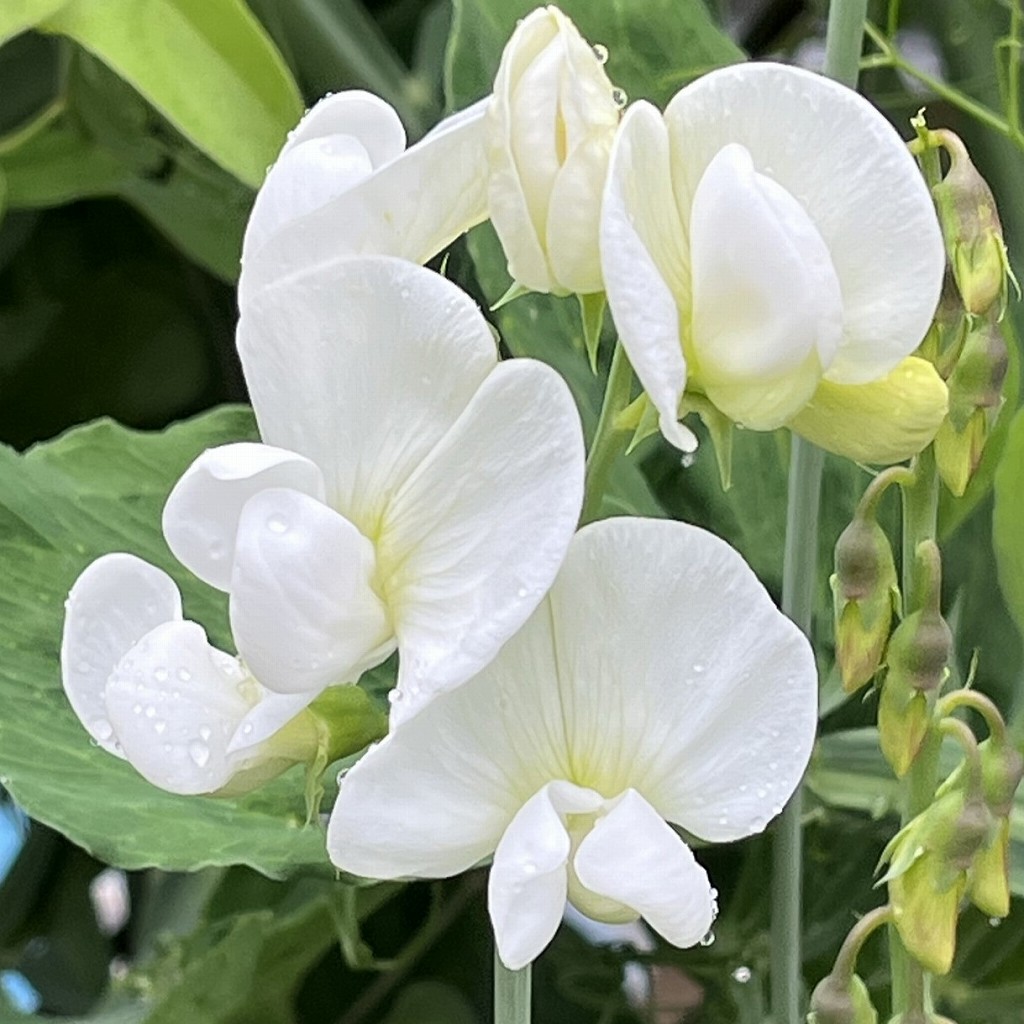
{"x":836,"y":1000}
{"x":966,"y":343}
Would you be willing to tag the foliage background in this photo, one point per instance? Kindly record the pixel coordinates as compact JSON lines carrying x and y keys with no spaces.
{"x":132,"y":135}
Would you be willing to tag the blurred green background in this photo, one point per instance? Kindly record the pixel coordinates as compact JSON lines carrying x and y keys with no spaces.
{"x":132,"y":136}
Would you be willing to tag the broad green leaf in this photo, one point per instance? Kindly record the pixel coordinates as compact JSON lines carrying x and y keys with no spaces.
{"x":431,"y":1002}
{"x":206,"y":65}
{"x":849,"y":772}
{"x":655,"y":46}
{"x":1007,"y":521}
{"x":101,"y":488}
{"x":18,"y":15}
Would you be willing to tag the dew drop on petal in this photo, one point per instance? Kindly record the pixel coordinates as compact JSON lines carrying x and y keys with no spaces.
{"x":247,"y":728}
{"x":708,"y":939}
{"x":199,"y":752}
{"x":205,"y":733}
{"x":160,"y":727}
{"x":600,"y":52}
{"x":277,"y":524}
{"x":742,"y":975}
{"x":184,"y":675}
{"x":394,"y":696}
{"x":687,"y":459}
{"x":160,"y":675}
{"x":619,"y":97}
{"x":151,"y":711}
{"x":102,"y":729}
{"x":994,"y":922}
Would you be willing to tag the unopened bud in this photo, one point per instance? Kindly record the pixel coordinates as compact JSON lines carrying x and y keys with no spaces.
{"x":958,"y":452}
{"x":919,"y":650}
{"x":989,"y":879}
{"x":835,"y":1001}
{"x":979,"y":374}
{"x":945,"y":337}
{"x":864,"y":593}
{"x":1002,"y":768}
{"x":972,"y":231}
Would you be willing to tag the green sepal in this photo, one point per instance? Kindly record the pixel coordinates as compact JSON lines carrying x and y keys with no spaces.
{"x":592,"y":308}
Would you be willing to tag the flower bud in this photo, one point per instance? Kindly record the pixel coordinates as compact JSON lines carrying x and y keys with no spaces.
{"x":835,"y":1001}
{"x":865,"y":595}
{"x":972,"y":231}
{"x":945,"y":337}
{"x":551,"y":122}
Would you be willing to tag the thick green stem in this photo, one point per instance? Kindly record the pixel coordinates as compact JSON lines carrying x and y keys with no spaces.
{"x":511,"y":994}
{"x":799,"y":571}
{"x":846,"y":960}
{"x":844,"y":40}
{"x":609,"y":440}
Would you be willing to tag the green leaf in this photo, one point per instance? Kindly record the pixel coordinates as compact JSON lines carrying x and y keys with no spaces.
{"x":18,"y":15}
{"x":655,"y":46}
{"x":1007,"y":522}
{"x":431,"y":1002}
{"x":206,"y":65}
{"x":101,"y":488}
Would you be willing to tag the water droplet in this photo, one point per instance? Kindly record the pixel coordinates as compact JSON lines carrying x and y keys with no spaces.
{"x":204,"y":733}
{"x":151,"y":711}
{"x":102,"y":729}
{"x":698,"y":667}
{"x":199,"y":752}
{"x":708,"y":939}
{"x":529,"y":868}
{"x":160,"y":675}
{"x":216,"y":550}
{"x":600,"y":52}
{"x":522,"y":592}
{"x":742,"y":975}
{"x":761,"y":792}
{"x":723,"y":820}
{"x":277,"y":524}
{"x":137,"y":709}
{"x":394,"y":696}
{"x":994,"y":922}
{"x":404,"y":293}
{"x":619,"y":97}
{"x":247,"y":728}
{"x":687,"y":459}
{"x":160,"y":727}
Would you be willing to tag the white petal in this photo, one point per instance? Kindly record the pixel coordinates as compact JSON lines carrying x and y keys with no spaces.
{"x":643,"y":263}
{"x":767,"y":311}
{"x":528,"y":882}
{"x":475,"y":538}
{"x":116,"y":601}
{"x":363,"y":365}
{"x":849,"y":169}
{"x":270,"y":713}
{"x":303,"y":610}
{"x":679,"y":677}
{"x":631,"y":856}
{"x":412,"y":207}
{"x":358,"y":114}
{"x":175,"y":703}
{"x":200,"y":519}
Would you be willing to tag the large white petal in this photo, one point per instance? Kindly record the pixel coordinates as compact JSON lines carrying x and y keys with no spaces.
{"x":116,"y":601}
{"x":849,"y":169}
{"x":200,"y":519}
{"x":528,"y":882}
{"x":473,"y":541}
{"x":679,"y":677}
{"x":644,"y":265}
{"x":335,"y":146}
{"x":363,"y":365}
{"x":767,"y":311}
{"x":175,"y":703}
{"x":633,"y":857}
{"x":303,"y":609}
{"x":411,"y":207}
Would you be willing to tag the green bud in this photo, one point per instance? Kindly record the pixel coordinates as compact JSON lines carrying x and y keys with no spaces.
{"x":925,"y":907}
{"x":972,"y":231}
{"x":864,"y":593}
{"x":904,"y":715}
{"x":979,"y":374}
{"x":958,"y":452}
{"x":919,"y":650}
{"x":989,"y":880}
{"x":1002,"y":769}
{"x":835,"y":1001}
{"x":945,"y":337}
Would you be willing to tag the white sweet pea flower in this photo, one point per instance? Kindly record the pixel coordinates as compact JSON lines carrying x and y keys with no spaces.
{"x":656,"y":685}
{"x":345,"y":184}
{"x":550,"y":125}
{"x":769,"y":242}
{"x":411,"y":493}
{"x":149,"y":687}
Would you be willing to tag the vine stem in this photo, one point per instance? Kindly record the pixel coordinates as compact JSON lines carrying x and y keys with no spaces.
{"x":512,"y":990}
{"x":843,"y":44}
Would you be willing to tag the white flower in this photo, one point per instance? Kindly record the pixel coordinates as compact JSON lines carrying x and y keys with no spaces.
{"x":656,"y":683}
{"x":770,"y":234}
{"x":345,"y":184}
{"x":412,"y":492}
{"x":550,"y":125}
{"x":149,"y":687}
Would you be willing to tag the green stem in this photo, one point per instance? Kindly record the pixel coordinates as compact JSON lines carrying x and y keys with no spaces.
{"x":982,"y":705}
{"x":920,"y":511}
{"x":799,"y":571}
{"x":844,"y":40}
{"x":846,"y":960}
{"x":511,"y":994}
{"x":609,"y":440}
{"x":1013,"y":69}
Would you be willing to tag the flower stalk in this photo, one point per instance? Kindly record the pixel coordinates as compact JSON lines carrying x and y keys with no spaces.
{"x":512,"y":991}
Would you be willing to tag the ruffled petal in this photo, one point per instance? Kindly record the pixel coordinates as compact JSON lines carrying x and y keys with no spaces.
{"x":528,"y":882}
{"x":764,"y":329}
{"x":473,"y":541}
{"x":363,"y":365}
{"x":175,"y":702}
{"x":644,"y":264}
{"x":411,"y":207}
{"x":200,"y":519}
{"x":633,"y":857}
{"x":303,"y":609}
{"x":679,"y":677}
{"x":116,"y":601}
{"x":848,"y":168}
{"x":883,"y":422}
